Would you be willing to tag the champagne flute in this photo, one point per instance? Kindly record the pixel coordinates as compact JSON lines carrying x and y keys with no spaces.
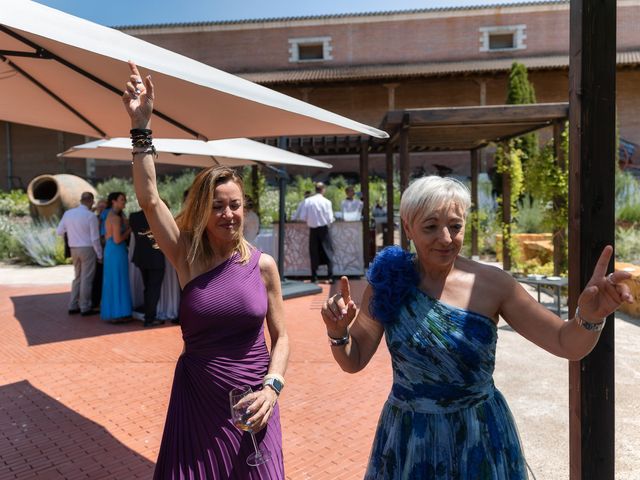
{"x":240,"y":399}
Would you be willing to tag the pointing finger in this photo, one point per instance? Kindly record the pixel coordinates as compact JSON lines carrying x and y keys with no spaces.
{"x":603,"y":263}
{"x":134,"y":68}
{"x":345,"y":289}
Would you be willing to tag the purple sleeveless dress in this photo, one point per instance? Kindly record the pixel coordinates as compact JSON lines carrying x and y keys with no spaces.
{"x":222,"y":316}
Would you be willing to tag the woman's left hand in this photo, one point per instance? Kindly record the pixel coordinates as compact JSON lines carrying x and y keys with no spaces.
{"x":138,"y":98}
{"x":262,"y":408}
{"x":604,"y":293}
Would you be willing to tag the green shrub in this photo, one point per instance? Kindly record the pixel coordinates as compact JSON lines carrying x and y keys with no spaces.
{"x":627,"y":198}
{"x":15,"y":202}
{"x":9,"y":245}
{"x":172,"y":188}
{"x":39,"y":243}
{"x":531,"y":217}
{"x":628,"y":244}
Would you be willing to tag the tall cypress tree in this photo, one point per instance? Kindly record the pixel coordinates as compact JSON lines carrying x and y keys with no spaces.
{"x":521,"y":92}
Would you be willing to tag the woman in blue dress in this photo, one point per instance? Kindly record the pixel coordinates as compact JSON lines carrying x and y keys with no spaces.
{"x":444,"y":419}
{"x":115,"y":306}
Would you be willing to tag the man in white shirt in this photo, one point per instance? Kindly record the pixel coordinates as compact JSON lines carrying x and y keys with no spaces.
{"x":318,"y":213}
{"x":351,"y":207}
{"x":81,"y":226}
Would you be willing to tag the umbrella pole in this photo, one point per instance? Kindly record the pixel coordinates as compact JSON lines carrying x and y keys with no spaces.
{"x":282,"y":177}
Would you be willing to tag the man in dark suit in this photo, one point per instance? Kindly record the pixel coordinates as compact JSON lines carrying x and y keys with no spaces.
{"x":150,"y":261}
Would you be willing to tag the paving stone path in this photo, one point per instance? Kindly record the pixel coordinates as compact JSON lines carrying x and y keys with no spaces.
{"x":82,"y":399}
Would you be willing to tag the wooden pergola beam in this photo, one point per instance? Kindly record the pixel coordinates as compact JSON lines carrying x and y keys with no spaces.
{"x":487,"y":114}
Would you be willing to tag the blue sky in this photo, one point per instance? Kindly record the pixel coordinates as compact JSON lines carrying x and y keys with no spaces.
{"x":140,"y":12}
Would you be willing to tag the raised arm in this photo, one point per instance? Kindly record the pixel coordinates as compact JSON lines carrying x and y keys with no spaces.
{"x":138,"y":101}
{"x":575,"y":338}
{"x":353,"y":342}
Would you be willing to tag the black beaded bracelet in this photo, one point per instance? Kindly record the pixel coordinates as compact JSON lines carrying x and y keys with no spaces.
{"x":140,"y":131}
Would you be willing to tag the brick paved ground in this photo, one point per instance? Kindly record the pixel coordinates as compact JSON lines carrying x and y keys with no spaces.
{"x":80,"y":399}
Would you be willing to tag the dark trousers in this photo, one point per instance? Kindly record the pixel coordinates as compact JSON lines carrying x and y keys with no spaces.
{"x":152,"y":280}
{"x":96,"y":288}
{"x":320,"y":250}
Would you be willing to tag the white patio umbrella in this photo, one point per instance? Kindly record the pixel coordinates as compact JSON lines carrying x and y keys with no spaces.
{"x":61,"y":72}
{"x":232,"y":152}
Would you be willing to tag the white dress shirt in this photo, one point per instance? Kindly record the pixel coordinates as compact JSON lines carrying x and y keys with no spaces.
{"x":81,"y":226}
{"x":351,"y":209}
{"x":316,"y":211}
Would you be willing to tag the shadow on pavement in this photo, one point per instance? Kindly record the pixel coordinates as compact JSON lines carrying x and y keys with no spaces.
{"x":44,"y":319}
{"x":42,"y":438}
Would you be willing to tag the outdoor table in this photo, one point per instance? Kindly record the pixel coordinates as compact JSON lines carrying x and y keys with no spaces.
{"x":539,"y":281}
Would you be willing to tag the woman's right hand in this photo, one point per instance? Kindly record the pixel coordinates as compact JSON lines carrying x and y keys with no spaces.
{"x":138,"y":98}
{"x":339,"y":311}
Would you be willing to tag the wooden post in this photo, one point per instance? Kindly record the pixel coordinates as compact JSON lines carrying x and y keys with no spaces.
{"x":506,"y":215}
{"x":388,"y":235}
{"x":9,"y":150}
{"x":559,"y":234}
{"x":475,"y":221}
{"x":592,"y":76}
{"x":364,"y":188}
{"x":404,"y":171}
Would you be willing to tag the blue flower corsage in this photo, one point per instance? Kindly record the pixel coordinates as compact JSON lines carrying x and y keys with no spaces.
{"x":394,"y":279}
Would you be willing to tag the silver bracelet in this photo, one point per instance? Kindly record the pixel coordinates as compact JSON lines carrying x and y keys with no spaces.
{"x":338,"y":342}
{"x":592,"y":327}
{"x":150,"y":150}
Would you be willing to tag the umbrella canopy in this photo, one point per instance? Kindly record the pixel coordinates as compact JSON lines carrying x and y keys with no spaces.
{"x":232,"y":152}
{"x":61,"y":72}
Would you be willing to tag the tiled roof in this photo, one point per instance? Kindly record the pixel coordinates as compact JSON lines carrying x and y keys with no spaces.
{"x":479,"y":6}
{"x":409,"y":70}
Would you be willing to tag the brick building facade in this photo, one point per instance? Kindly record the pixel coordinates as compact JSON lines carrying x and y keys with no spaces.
{"x":362,"y":65}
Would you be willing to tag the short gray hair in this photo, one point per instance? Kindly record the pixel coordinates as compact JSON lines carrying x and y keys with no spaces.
{"x":427,"y":194}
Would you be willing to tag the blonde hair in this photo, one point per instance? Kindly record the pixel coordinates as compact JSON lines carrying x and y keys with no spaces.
{"x":427,"y":194}
{"x":196,"y":210}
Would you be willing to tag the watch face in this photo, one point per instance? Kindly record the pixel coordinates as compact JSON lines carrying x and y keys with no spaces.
{"x":275,"y":384}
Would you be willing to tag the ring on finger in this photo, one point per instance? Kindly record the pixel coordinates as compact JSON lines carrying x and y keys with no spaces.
{"x":610,"y":279}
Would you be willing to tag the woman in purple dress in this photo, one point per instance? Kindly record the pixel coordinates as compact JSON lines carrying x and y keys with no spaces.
{"x":229,"y":288}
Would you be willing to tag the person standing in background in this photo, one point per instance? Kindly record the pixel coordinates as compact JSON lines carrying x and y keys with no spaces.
{"x":296,"y":215}
{"x":96,"y":289}
{"x":251,"y":225}
{"x":81,"y":227}
{"x":116,"y":294}
{"x":351,"y":207}
{"x":150,"y":260}
{"x":318,"y":213}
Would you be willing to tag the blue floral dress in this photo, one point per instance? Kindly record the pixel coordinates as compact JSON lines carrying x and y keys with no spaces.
{"x":444,"y":418}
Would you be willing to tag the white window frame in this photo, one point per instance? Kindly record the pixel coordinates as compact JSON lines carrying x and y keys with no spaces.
{"x":294,"y":52}
{"x":518,"y":32}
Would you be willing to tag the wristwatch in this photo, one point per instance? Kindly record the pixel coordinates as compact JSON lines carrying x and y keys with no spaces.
{"x":591,"y":326}
{"x":275,"y":384}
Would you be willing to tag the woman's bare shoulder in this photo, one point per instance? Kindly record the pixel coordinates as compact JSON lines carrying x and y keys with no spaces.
{"x":485,"y":272}
{"x":267,"y":263}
